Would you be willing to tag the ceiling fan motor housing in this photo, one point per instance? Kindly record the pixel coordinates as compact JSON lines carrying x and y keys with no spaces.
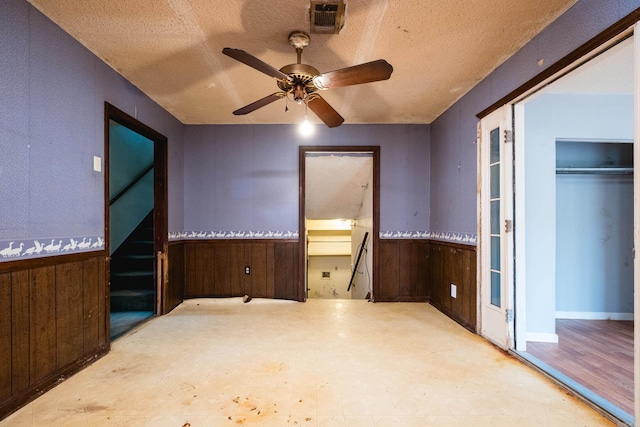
{"x":302,"y":80}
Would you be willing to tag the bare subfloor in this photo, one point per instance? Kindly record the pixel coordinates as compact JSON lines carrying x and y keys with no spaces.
{"x":219,"y":362}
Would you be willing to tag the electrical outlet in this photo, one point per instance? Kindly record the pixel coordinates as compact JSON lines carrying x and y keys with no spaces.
{"x":247,"y":270}
{"x":454,"y":291}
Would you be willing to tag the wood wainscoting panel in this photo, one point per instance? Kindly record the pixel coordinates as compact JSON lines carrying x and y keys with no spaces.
{"x":5,"y":336}
{"x":404,"y":267}
{"x":235,"y":256}
{"x":437,"y":282}
{"x":454,"y":264}
{"x":286,"y":273}
{"x":216,"y":268}
{"x":259,"y":258}
{"x":69,"y":313}
{"x":20,"y":332}
{"x":207,"y":255}
{"x":93,"y":306}
{"x":192,"y":282}
{"x":53,"y":322}
{"x":228,"y":258}
{"x":42,"y":317}
{"x":174,"y":288}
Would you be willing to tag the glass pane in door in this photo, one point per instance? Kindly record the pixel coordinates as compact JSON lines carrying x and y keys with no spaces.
{"x":495,"y":202}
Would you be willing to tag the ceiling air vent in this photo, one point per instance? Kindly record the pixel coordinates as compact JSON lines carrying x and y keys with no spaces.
{"x":327,"y":17}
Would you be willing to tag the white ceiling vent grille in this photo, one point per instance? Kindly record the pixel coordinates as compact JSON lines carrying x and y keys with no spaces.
{"x":327,"y":17}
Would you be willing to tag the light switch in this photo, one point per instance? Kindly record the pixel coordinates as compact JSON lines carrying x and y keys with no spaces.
{"x":97,"y":164}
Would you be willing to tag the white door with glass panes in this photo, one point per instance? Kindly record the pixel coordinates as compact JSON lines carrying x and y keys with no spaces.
{"x":495,"y":237}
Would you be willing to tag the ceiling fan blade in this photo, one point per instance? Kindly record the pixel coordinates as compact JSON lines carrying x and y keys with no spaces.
{"x":253,"y":62}
{"x":364,"y":73}
{"x":258,"y":104}
{"x":324,"y":111}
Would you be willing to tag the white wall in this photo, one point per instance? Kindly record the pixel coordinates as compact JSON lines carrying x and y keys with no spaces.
{"x":333,"y":287}
{"x":362,"y":281}
{"x":594,"y":271}
{"x":547,"y":118}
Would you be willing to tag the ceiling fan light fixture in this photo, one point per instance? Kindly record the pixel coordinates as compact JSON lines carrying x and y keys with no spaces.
{"x":306,"y":128}
{"x":318,"y":82}
{"x":301,"y":81}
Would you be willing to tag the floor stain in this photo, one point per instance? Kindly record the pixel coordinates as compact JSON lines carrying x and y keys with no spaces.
{"x":95,"y":408}
{"x":272,"y":368}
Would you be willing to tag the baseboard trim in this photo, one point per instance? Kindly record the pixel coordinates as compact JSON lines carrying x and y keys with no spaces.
{"x":542,"y":337}
{"x":29,"y":394}
{"x":593,"y":315}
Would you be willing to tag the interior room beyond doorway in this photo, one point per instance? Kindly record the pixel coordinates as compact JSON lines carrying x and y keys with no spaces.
{"x":574,"y":207}
{"x":338,"y":215}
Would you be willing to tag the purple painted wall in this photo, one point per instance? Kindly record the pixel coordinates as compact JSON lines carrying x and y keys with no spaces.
{"x":228,"y":178}
{"x":245,"y":178}
{"x":52,"y":96}
{"x":453,"y":134}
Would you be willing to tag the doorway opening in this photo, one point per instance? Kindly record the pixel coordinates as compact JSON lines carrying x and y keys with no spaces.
{"x":577,"y":160}
{"x":135,"y":220}
{"x":339,"y":222}
{"x":569,"y":285}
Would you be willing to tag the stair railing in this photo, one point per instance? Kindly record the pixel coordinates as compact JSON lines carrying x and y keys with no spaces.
{"x":120,"y":203}
{"x":133,"y":182}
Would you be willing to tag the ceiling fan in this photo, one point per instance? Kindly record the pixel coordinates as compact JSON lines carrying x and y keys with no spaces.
{"x":301,"y":82}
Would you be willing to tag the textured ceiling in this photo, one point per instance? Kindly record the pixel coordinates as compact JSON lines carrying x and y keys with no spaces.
{"x":171,"y":50}
{"x":336,"y":184}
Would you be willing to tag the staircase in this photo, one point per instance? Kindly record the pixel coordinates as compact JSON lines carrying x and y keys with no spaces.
{"x":132,"y":270}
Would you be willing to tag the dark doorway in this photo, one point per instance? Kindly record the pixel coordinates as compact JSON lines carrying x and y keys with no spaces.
{"x":136,"y":220}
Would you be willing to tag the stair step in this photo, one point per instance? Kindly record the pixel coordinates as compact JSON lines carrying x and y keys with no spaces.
{"x":138,"y":273}
{"x":138,"y":246}
{"x":132,"y":263}
{"x":132,"y":270}
{"x":132,"y":300}
{"x":133,"y":280}
{"x":140,"y":256}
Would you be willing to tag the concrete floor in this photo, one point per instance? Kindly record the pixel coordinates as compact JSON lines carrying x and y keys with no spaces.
{"x":219,"y":362}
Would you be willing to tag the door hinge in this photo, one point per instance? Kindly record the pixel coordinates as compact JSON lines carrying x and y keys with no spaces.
{"x":509,"y":315}
{"x":508,"y":225}
{"x":508,"y":136}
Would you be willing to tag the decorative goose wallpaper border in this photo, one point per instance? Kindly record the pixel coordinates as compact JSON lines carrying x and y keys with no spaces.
{"x":446,"y":236}
{"x":466,"y":238}
{"x":206,"y":235}
{"x":11,"y":250}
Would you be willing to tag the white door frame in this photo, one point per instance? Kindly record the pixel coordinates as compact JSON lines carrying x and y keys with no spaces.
{"x":483,"y":257}
{"x":496,"y":323}
{"x":636,"y":223}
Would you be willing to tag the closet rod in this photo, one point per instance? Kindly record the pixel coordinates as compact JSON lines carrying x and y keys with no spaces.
{"x":595,"y":171}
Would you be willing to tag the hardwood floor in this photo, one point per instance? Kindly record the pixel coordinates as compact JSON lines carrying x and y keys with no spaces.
{"x":597,"y":354}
